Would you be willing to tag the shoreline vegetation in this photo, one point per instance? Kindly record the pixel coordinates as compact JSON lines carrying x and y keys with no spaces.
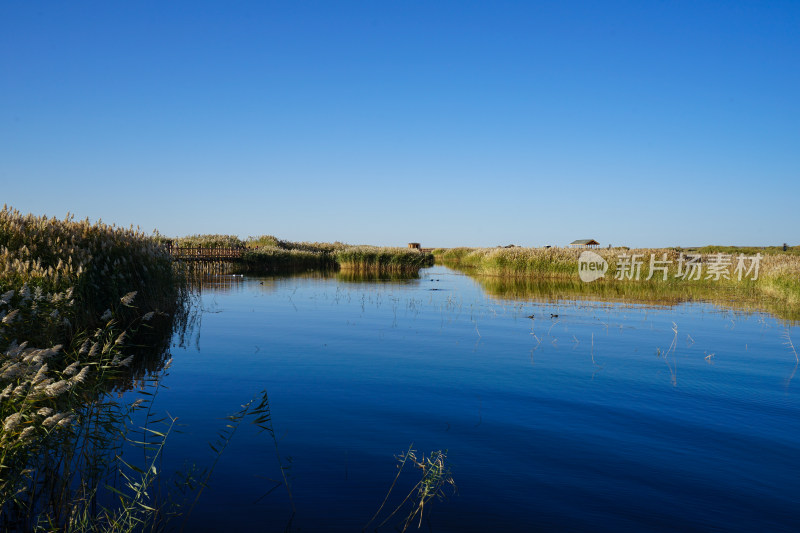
{"x":268,"y":254}
{"x":554,"y":272}
{"x":82,"y":307}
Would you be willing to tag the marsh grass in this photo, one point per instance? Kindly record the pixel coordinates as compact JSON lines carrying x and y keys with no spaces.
{"x":270,"y":241}
{"x":299,"y":257}
{"x":745,"y":299}
{"x":748,"y":250}
{"x":136,"y":508}
{"x":269,"y":254}
{"x":373,"y":258}
{"x":278,"y":260}
{"x":435,"y":478}
{"x":92,"y":264}
{"x":777,"y":288}
{"x":62,"y":431}
{"x":74,"y":296}
{"x":206,"y":241}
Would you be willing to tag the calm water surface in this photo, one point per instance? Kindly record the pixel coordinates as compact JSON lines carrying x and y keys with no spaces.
{"x":608,"y":417}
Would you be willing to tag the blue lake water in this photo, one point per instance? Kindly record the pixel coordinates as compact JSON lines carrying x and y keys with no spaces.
{"x":607,"y":417}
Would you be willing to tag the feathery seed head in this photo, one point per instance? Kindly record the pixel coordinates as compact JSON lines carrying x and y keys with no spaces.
{"x":81,"y":376}
{"x":6,"y":392}
{"x":12,"y":422}
{"x":128,"y":298}
{"x":27,"y":433}
{"x":71,"y":369}
{"x":85,"y":347}
{"x":53,"y":419}
{"x":57,"y":388}
{"x":9,"y":318}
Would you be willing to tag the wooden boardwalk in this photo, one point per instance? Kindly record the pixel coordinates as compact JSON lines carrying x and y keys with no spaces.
{"x":206,"y":254}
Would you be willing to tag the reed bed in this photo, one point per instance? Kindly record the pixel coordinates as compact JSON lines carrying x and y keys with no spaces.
{"x":206,"y":241}
{"x":322,"y":256}
{"x":252,"y":242}
{"x":778,"y":276}
{"x":739,"y":299}
{"x":63,"y":428}
{"x":372,"y":258}
{"x":749,"y":250}
{"x":273,"y":260}
{"x":269,"y":254}
{"x":73,"y":295}
{"x":270,"y":241}
{"x":263,"y":241}
{"x":65,"y":261}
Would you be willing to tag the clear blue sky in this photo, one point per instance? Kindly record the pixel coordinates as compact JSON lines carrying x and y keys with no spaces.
{"x":449,"y":123}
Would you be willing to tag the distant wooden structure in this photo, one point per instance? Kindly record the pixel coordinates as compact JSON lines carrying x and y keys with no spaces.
{"x":414,"y":245}
{"x":585,"y":243}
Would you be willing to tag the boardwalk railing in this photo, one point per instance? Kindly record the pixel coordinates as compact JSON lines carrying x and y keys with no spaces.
{"x":206,"y":254}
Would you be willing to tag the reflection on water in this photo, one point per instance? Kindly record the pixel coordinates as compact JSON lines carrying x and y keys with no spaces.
{"x":372,"y":277}
{"x":225,"y":280}
{"x":151,"y":347}
{"x":633,"y":292}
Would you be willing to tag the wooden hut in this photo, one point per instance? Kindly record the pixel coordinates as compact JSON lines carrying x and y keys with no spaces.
{"x":414,"y":245}
{"x":585,"y":243}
